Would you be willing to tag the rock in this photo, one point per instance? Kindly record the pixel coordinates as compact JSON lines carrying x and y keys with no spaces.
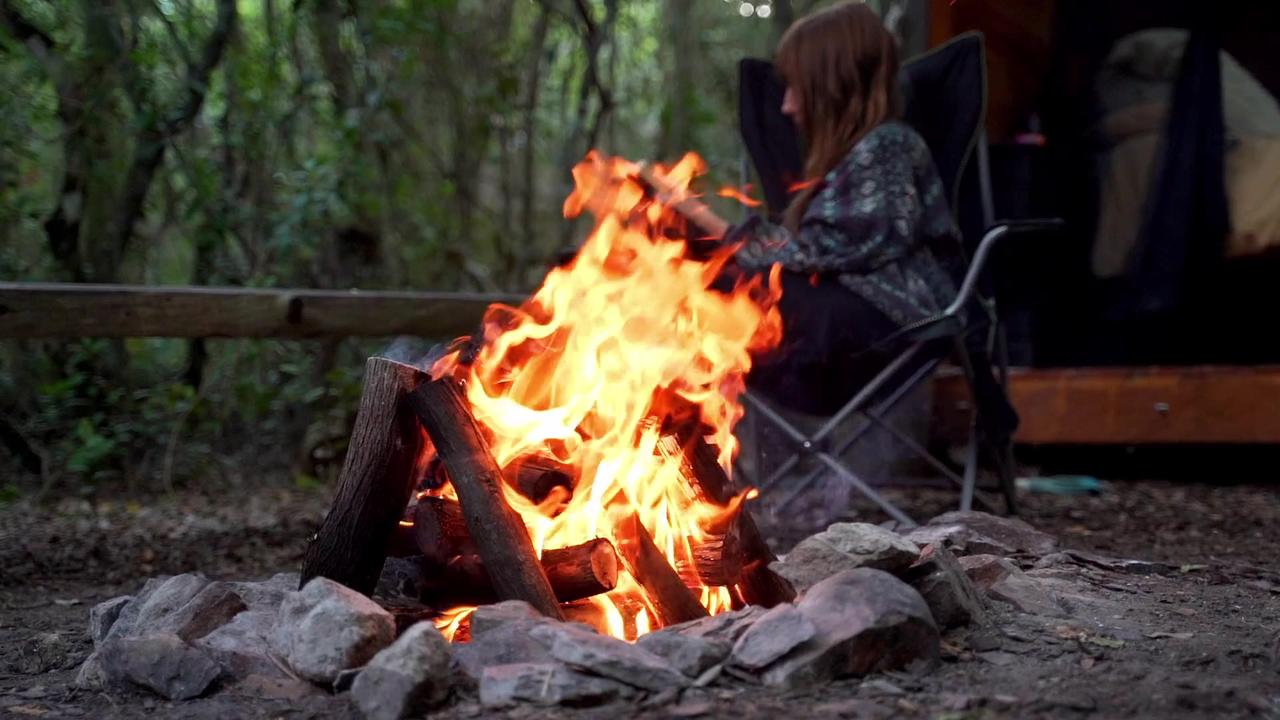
{"x":781,"y":630}
{"x":865,"y":620}
{"x":211,"y":608}
{"x":1009,"y":533}
{"x":104,"y":615}
{"x":242,"y":647}
{"x":326,"y":628}
{"x":266,"y":594}
{"x":725,"y":627}
{"x":1026,"y":595}
{"x":845,"y":546}
{"x":163,"y":664}
{"x":609,"y":657}
{"x":940,"y":579}
{"x":546,"y":684}
{"x":489,"y":617}
{"x":515,"y":645}
{"x":689,"y":654}
{"x":91,"y":675}
{"x":407,"y":678}
{"x":987,"y":570}
{"x":158,"y":598}
{"x":1004,"y":581}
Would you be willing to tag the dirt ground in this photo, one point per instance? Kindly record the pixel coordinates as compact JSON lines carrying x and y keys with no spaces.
{"x":1199,"y":638}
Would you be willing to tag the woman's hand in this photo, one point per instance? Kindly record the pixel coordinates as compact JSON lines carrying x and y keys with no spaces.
{"x":678,"y":199}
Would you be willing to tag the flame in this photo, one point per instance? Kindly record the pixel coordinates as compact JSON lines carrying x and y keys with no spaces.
{"x":739,"y":194}
{"x":451,"y":620}
{"x":617,"y":347}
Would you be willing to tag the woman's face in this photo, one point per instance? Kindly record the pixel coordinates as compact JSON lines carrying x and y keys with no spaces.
{"x":791,"y":106}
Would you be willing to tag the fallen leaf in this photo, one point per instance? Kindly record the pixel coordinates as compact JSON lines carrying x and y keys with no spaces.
{"x":67,"y":602}
{"x":1172,"y":635}
{"x":1087,"y":662}
{"x":1104,"y":641}
{"x":1192,"y":567}
{"x":1185,"y":611}
{"x":28,"y":710}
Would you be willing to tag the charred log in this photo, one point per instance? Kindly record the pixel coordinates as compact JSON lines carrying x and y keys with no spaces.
{"x":497,"y":530}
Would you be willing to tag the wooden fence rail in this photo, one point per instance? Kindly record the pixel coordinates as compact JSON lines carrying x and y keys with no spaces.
{"x":66,"y":310}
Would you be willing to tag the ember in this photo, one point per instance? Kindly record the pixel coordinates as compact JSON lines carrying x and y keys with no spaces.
{"x":619,"y":359}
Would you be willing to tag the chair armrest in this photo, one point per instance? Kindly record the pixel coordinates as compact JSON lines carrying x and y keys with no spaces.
{"x":982,"y":255}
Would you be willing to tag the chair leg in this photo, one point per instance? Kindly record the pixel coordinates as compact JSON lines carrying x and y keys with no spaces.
{"x":970,"y":468}
{"x":1007,"y":468}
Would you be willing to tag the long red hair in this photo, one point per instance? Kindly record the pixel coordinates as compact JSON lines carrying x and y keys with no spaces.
{"x":843,"y":64}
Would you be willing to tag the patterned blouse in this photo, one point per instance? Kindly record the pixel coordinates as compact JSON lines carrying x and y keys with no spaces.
{"x":879,"y":222}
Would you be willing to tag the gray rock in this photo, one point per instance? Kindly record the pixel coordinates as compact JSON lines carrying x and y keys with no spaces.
{"x":845,"y":546}
{"x":407,"y":678}
{"x":167,"y":599}
{"x":242,"y":647}
{"x":689,"y":654}
{"x":546,"y":684}
{"x":211,"y":608}
{"x":780,"y":631}
{"x":866,"y":620}
{"x":724,"y":627}
{"x":158,"y":598}
{"x":489,"y":617}
{"x":609,"y":657}
{"x":104,"y":615}
{"x":1026,"y":595}
{"x":514,"y":645}
{"x":987,"y":570}
{"x":940,"y":579}
{"x":1012,"y":534}
{"x":402,"y":578}
{"x":266,"y":594}
{"x":163,"y":664}
{"x":326,"y":628}
{"x":91,"y":676}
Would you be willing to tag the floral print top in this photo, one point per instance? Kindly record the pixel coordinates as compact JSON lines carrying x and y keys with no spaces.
{"x":879,"y":222}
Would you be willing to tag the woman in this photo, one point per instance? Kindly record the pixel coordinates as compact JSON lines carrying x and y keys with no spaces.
{"x":868,"y":246}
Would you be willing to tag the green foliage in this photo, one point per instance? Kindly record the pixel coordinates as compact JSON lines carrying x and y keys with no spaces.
{"x":396,"y":144}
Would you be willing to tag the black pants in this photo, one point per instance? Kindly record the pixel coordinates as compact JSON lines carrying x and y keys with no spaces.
{"x":825,"y":355}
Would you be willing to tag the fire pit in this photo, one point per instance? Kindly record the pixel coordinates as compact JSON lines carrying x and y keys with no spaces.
{"x":543,"y":514}
{"x":572,"y":453}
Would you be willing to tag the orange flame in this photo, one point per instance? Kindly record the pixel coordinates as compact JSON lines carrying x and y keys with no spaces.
{"x":740,"y":195}
{"x":625,"y":340}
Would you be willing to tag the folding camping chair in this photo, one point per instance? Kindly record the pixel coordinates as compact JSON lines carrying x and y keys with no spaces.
{"x":945,"y":101}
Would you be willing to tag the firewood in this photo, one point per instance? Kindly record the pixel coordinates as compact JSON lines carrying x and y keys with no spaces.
{"x":440,"y":531}
{"x":672,"y":600}
{"x":377,"y":479}
{"x":498,"y":532}
{"x":758,"y":584}
{"x":717,"y":560}
{"x":536,"y":476}
{"x":575,"y":572}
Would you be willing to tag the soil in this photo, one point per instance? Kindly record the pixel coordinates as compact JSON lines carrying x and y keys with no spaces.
{"x":1197,"y":639}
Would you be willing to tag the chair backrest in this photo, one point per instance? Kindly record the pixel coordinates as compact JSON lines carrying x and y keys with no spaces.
{"x":944,"y":98}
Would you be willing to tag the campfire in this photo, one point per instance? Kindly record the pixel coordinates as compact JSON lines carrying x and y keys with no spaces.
{"x":574,"y":452}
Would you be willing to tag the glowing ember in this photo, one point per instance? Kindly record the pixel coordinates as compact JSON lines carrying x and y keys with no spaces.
{"x":624,"y":343}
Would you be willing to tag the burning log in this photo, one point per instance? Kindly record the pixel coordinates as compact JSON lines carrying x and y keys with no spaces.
{"x":758,"y":584}
{"x":440,"y":530}
{"x":575,"y":573}
{"x":377,"y":479}
{"x":536,"y":476}
{"x":671,"y":599}
{"x":497,"y":530}
{"x":717,"y":561}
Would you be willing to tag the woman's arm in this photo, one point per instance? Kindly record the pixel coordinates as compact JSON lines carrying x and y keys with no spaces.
{"x":863,"y":217}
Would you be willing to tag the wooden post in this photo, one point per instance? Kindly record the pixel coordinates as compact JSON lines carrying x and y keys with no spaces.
{"x":377,"y":479}
{"x":498,"y":532}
